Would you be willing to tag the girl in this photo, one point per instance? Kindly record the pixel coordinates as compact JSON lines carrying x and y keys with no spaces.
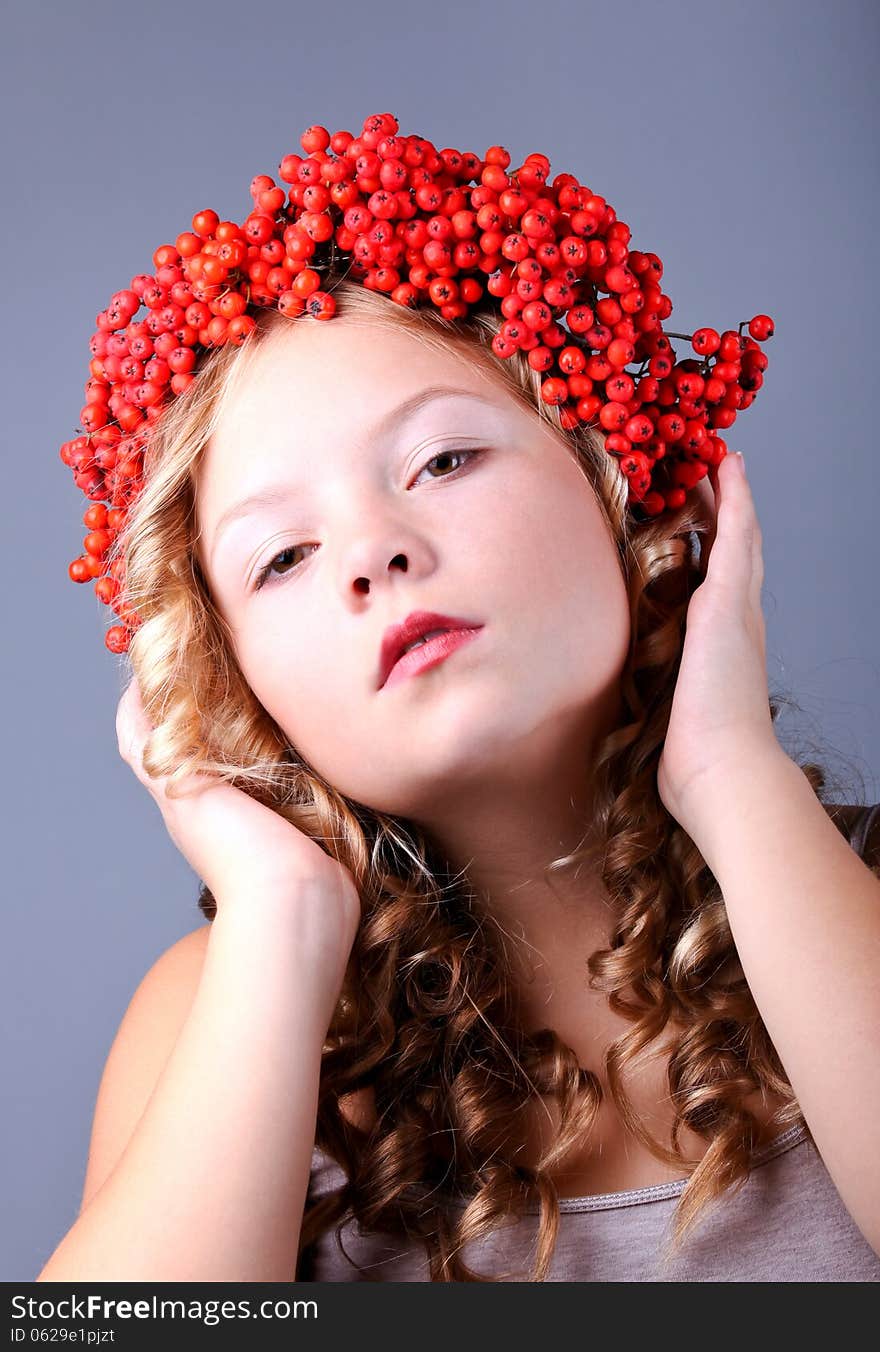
{"x":531,"y":955}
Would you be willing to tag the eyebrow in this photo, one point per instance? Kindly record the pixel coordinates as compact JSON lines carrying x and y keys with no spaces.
{"x":274,"y":494}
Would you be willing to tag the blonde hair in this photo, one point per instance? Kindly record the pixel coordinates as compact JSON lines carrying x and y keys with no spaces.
{"x":427,"y":1016}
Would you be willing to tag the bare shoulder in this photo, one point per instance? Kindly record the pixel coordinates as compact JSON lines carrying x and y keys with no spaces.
{"x":182,"y":960}
{"x":141,"y":1047}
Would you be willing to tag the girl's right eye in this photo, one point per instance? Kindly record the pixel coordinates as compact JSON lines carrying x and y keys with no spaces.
{"x":265,"y":572}
{"x":263,"y":575}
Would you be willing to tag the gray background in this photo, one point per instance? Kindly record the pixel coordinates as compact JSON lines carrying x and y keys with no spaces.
{"x":739,"y":143}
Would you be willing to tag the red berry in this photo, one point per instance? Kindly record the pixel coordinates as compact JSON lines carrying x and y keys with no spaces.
{"x":420,"y":226}
{"x":204,"y":223}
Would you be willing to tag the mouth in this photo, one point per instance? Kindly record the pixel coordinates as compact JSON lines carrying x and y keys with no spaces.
{"x":430,"y":650}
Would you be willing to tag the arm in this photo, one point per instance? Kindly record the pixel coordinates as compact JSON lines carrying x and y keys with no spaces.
{"x":804,"y":911}
{"x":212,"y":1184}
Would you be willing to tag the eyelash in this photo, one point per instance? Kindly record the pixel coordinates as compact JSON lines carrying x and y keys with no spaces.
{"x":263,"y":577}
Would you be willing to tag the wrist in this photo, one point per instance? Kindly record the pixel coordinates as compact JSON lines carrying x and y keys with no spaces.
{"x":307,"y":935}
{"x":741,"y":786}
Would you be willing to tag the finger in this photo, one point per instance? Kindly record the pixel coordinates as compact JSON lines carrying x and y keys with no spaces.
{"x":757,"y":543}
{"x":129,"y":711}
{"x":132,"y":725}
{"x":732,"y":560}
{"x":751,"y":525}
{"x":133,"y":728}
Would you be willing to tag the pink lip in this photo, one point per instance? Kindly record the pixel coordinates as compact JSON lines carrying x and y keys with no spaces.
{"x":429,"y":654}
{"x":399,"y":636}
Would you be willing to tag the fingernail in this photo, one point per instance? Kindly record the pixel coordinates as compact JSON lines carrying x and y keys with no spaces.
{"x":740,"y":461}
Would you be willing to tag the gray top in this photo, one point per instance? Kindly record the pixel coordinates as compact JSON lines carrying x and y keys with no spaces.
{"x":786,"y":1224}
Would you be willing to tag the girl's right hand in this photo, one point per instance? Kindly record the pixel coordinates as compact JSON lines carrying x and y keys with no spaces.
{"x":243,"y":851}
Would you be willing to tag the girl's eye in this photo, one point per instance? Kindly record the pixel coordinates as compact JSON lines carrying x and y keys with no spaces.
{"x":445,"y":455}
{"x":263,"y":575}
{"x":266,"y":573}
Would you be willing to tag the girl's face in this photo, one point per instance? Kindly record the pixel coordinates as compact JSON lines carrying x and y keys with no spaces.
{"x":467,"y":505}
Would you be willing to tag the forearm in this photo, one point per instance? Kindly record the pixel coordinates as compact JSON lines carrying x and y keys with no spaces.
{"x":804,"y":911}
{"x":212,"y":1184}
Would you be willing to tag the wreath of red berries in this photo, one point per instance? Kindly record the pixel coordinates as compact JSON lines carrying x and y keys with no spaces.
{"x":425,"y":227}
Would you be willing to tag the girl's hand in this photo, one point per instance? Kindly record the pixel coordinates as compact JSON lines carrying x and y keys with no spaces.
{"x":720,"y":714}
{"x":237,"y":846}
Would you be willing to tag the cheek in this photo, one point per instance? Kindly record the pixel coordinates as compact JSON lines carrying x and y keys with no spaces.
{"x":296,"y":685}
{"x":552,"y":542}
{"x":577,"y":594}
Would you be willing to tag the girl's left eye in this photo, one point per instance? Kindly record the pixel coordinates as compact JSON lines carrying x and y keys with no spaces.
{"x":267,"y":575}
{"x":444,"y":455}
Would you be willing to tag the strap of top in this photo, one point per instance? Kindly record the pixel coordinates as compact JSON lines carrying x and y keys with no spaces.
{"x":863,"y":827}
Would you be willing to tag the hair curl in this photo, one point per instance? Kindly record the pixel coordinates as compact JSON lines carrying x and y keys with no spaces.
{"x":427,"y":1017}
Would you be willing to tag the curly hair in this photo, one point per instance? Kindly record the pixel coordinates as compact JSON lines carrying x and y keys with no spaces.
{"x":427,"y":1017}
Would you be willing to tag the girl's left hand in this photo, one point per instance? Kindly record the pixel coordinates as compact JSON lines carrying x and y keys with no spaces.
{"x":720,"y":717}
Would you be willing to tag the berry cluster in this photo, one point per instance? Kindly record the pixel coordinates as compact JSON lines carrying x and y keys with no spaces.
{"x":423,"y":226}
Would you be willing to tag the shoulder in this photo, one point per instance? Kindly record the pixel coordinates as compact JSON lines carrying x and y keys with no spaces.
{"x":185,"y":956}
{"x":165,"y":993}
{"x":142,"y":1044}
{"x":167,"y":989}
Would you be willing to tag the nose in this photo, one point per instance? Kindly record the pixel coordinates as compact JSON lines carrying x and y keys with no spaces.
{"x":379,"y":545}
{"x":362,"y":584}
{"x":379,"y":540}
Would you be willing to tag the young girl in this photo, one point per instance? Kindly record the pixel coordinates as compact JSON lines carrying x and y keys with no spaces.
{"x":531,"y":954}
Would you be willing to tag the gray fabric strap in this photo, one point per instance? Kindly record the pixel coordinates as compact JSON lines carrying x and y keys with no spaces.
{"x":859,"y":837}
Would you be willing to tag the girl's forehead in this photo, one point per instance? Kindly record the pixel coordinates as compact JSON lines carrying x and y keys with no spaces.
{"x":352,"y":358}
{"x":283,"y":401}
